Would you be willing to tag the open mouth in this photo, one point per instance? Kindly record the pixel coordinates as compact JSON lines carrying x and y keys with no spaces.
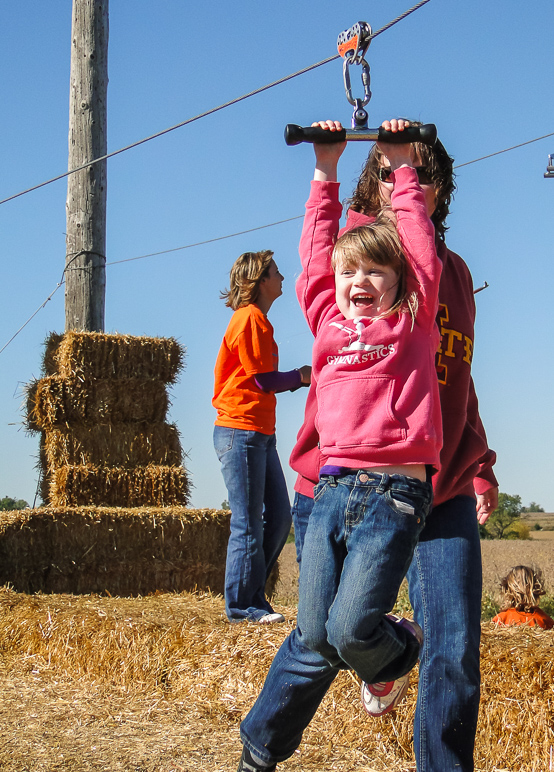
{"x":362,"y":301}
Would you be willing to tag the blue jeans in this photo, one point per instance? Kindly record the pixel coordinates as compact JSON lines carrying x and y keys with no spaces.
{"x":359,"y":544}
{"x":445,"y":591}
{"x":301,"y":510}
{"x":260,"y":517}
{"x":445,"y":582}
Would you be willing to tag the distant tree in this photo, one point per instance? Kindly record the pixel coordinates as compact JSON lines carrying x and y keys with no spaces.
{"x":225,"y":504}
{"x":502,"y":524}
{"x":518,"y":530}
{"x":483,"y":533}
{"x":533,"y":507}
{"x":7,"y":504}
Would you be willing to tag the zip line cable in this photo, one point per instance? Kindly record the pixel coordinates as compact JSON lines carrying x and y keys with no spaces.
{"x":207,"y":112}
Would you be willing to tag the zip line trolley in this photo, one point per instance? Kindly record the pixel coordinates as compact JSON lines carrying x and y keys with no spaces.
{"x":352,"y":46}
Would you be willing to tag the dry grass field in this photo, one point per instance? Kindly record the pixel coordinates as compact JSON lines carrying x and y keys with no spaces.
{"x":498,"y":558}
{"x":159,"y":684}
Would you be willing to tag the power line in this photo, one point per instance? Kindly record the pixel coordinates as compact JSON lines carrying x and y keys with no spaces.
{"x":208,"y":241}
{"x":298,"y":217}
{"x":240,"y":233}
{"x":506,"y":150}
{"x":207,"y":112}
{"x":142,"y":257}
{"x":31,"y":317}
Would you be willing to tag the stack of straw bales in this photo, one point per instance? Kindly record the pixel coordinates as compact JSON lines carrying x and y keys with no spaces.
{"x":115,"y":520}
{"x":101,"y":411}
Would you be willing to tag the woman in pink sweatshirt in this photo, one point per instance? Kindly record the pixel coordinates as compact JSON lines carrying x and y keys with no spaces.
{"x":445,"y":574}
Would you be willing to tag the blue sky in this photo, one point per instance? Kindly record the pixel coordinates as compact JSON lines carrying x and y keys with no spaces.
{"x":483,"y":72}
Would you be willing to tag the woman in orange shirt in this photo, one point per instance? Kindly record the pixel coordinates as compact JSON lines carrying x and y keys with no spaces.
{"x":246,"y":380}
{"x":522,"y":588}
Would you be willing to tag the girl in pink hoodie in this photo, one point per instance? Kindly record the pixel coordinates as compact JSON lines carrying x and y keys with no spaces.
{"x":370,"y":299}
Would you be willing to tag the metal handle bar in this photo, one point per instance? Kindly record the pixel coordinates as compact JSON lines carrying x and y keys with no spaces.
{"x":294,"y":135}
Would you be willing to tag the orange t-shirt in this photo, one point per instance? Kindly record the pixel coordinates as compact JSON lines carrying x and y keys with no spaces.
{"x":247,"y":349}
{"x":537,"y":617}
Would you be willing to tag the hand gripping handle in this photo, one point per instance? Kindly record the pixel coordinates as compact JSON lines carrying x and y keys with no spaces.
{"x":294,"y":135}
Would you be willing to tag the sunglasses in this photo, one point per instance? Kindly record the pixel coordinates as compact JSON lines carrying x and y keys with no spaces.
{"x":423,"y":174}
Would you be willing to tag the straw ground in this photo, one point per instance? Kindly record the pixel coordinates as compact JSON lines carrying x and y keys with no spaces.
{"x":161,"y":683}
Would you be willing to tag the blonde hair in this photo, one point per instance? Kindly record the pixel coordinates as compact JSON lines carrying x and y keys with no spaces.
{"x":522,"y":588}
{"x":246,"y":274}
{"x":379,"y":243}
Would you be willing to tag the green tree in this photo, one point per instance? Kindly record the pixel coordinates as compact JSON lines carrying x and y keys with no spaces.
{"x":7,"y":504}
{"x":533,"y":507}
{"x":500,"y":524}
{"x":483,"y":533}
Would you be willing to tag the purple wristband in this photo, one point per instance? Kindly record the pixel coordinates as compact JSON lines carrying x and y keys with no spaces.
{"x":277,"y":381}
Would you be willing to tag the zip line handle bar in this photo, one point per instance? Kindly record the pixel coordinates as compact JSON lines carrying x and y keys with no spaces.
{"x":294,"y":135}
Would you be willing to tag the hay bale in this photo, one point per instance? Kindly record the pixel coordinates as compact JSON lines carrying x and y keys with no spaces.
{"x":55,"y":401}
{"x":154,"y":486}
{"x":516,"y":719}
{"x":101,"y":410}
{"x":51,"y":344}
{"x":121,"y":445}
{"x":89,"y":355}
{"x":121,"y":551}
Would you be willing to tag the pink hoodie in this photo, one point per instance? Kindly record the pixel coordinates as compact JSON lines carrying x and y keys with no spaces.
{"x":376,"y":386}
{"x":466,"y":460}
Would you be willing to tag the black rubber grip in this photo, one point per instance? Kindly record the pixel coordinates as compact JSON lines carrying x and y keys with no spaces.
{"x":426,"y":134}
{"x":294,"y":135}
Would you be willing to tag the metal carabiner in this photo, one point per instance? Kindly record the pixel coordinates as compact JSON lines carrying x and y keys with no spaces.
{"x":366,"y":81}
{"x":359,"y":116}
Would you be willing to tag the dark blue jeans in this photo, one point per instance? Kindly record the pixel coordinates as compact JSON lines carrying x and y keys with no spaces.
{"x":260,"y":517}
{"x":301,"y":510}
{"x":445,"y":591}
{"x":359,"y":544}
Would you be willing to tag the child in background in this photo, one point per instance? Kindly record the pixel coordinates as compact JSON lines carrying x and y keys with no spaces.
{"x":246,"y":380}
{"x":522,"y":588}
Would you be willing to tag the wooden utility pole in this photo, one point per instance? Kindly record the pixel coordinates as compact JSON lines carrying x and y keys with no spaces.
{"x":85,"y":274}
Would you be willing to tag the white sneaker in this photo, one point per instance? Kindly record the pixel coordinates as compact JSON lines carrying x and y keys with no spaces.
{"x":269,"y":619}
{"x":382,"y":697}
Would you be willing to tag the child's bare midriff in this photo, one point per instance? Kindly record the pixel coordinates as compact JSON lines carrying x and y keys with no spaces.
{"x":419,"y":471}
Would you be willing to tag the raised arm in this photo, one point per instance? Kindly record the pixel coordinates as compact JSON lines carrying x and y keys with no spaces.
{"x":327,"y":156}
{"x":315,"y":287}
{"x":412,"y":204}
